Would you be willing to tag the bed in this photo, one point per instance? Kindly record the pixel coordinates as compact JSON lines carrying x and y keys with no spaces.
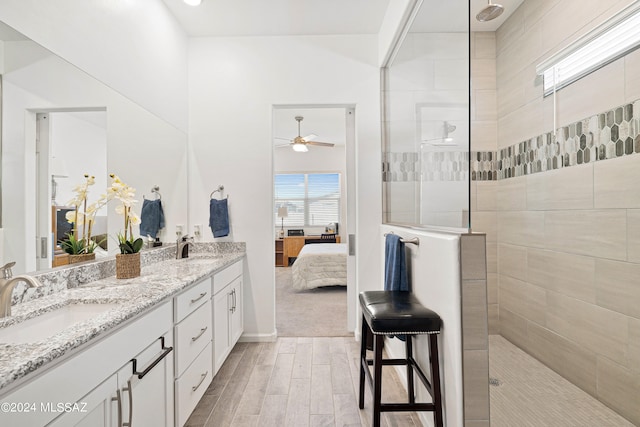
{"x":320,"y":264}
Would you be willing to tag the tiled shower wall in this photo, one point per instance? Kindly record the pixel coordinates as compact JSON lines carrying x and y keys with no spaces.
{"x":568,"y":239}
{"x":484,"y":134}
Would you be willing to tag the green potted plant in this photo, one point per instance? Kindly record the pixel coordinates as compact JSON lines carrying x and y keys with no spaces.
{"x":128,"y":260}
{"x":78,"y":243}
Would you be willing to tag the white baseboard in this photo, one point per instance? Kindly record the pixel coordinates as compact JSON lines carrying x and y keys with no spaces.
{"x":272,"y":337}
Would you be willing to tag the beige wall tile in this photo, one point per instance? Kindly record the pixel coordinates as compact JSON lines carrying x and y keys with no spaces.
{"x":512,"y":261}
{"x":485,"y":222}
{"x":619,"y":388}
{"x":511,"y":31}
{"x":476,"y":384}
{"x":512,"y":194}
{"x":483,"y":74}
{"x":631,"y":76}
{"x":494,"y":319}
{"x":485,"y":104}
{"x":574,"y":192}
{"x":595,"y":328}
{"x":484,"y":44}
{"x":486,"y":196}
{"x":522,"y":228}
{"x":523,"y":299}
{"x":492,"y":288}
{"x":633,"y":235}
{"x":484,"y":135}
{"x":618,"y":286}
{"x":600,"y":233}
{"x":532,"y":119}
{"x":492,"y":257}
{"x":570,"y":275}
{"x":473,"y":196}
{"x":518,"y":55}
{"x":510,"y":95}
{"x":562,"y":355}
{"x":592,"y":94}
{"x":473,"y":257}
{"x":616,"y":183}
{"x":534,"y":11}
{"x":474,"y":315}
{"x":514,"y":328}
{"x":477,"y":423}
{"x":634,"y":345}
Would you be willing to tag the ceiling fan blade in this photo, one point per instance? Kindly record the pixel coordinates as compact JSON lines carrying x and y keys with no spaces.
{"x":321,"y":144}
{"x":283,"y":145}
{"x":284,"y":139}
{"x":310,"y":137}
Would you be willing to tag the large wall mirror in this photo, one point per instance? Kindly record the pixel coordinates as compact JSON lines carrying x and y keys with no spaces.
{"x":426,"y":120}
{"x":58,"y":124}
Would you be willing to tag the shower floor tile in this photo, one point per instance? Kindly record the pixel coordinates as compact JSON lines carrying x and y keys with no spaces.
{"x":525,"y":393}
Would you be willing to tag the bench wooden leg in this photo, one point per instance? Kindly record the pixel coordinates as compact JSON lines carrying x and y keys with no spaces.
{"x":377,"y":378}
{"x":363,"y":361}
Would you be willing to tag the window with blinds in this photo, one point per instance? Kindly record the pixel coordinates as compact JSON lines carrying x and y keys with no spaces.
{"x":311,"y":199}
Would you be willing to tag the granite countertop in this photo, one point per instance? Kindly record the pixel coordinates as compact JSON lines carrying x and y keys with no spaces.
{"x":157,"y":283}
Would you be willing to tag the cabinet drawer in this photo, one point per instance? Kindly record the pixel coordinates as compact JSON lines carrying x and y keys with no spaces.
{"x":192,"y":335}
{"x":192,"y":298}
{"x":192,"y":384}
{"x":224,"y":277}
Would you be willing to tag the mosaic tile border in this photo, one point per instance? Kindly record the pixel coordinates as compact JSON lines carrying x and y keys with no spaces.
{"x":608,"y":135}
{"x":433,"y":166}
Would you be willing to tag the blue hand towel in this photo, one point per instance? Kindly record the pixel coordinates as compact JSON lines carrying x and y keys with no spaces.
{"x":395,"y":265}
{"x":219,"y":217}
{"x":151,"y":218}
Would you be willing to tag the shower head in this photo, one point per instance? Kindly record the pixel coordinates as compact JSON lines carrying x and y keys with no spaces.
{"x":445,"y":140}
{"x":491,"y":11}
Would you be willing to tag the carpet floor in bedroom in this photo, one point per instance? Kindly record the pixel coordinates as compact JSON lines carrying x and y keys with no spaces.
{"x":320,"y":312}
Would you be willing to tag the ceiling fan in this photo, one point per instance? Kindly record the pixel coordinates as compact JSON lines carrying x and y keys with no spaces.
{"x":300,"y":143}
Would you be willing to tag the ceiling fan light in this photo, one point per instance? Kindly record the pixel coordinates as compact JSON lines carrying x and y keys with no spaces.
{"x":301,"y":148}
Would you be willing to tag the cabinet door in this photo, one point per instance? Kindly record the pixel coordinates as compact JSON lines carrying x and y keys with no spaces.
{"x":236,"y":318}
{"x":221,"y":307}
{"x":148,"y":401}
{"x":99,"y":408}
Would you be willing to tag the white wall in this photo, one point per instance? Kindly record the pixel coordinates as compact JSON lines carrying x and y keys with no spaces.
{"x":396,"y":15}
{"x":317,"y":160}
{"x":142,"y":149}
{"x":233,"y":84}
{"x":135,"y":47}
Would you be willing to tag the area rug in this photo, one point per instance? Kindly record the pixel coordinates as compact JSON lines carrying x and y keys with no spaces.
{"x":320,"y":312}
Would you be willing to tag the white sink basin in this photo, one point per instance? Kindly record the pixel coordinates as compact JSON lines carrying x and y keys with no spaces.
{"x":51,"y":322}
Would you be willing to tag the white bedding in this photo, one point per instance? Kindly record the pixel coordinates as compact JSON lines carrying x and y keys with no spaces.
{"x":320,"y":264}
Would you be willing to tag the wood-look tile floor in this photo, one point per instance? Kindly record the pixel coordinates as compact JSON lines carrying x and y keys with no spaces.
{"x":295,"y":382}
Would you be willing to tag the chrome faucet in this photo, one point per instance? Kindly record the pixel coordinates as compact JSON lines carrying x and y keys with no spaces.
{"x":182,"y":246}
{"x":7,"y":283}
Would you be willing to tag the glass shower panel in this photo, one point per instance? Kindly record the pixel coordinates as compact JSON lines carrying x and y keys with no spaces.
{"x":426,"y":122}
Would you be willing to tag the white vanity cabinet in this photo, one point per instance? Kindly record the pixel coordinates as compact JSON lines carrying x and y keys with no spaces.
{"x":227,"y":311}
{"x":83,"y":389}
{"x":193,"y":333}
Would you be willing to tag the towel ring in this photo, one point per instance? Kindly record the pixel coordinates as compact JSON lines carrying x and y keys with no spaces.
{"x":220,"y":188}
{"x":155,"y":189}
{"x":413,"y":241}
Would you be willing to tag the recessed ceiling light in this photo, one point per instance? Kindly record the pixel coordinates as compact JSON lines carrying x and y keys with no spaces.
{"x":193,"y":2}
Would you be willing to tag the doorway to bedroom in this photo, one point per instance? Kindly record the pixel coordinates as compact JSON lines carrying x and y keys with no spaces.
{"x":312,"y":154}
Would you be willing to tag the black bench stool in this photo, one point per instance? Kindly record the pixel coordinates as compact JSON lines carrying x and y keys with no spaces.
{"x":399,"y":313}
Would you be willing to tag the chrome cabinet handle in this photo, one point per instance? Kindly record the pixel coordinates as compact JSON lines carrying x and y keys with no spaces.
{"x":202,"y":377}
{"x":202,"y":295}
{"x":130,"y":390}
{"x":235,"y":301}
{"x":202,"y":331}
{"x":118,"y":399}
{"x":230,"y":301}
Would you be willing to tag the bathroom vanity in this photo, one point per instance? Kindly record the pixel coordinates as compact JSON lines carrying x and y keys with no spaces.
{"x":139,"y":351}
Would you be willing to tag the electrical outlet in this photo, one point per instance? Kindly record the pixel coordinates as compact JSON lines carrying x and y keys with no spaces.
{"x":197,"y":229}
{"x":179,"y":230}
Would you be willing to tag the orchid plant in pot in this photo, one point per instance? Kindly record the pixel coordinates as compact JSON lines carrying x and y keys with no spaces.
{"x":128,"y":260}
{"x":79,"y":244}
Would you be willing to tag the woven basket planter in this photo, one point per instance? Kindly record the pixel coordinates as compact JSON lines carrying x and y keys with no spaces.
{"x":127,"y":265}
{"x":81,"y":258}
